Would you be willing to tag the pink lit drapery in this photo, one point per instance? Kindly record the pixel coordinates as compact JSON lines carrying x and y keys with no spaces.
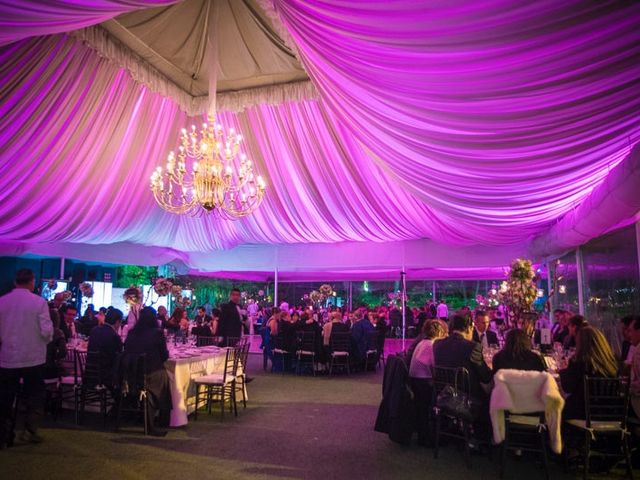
{"x":463,"y":123}
{"x":27,"y":18}
{"x":497,"y":113}
{"x":88,"y":139}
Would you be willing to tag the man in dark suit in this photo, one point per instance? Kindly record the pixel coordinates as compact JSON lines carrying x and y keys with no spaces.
{"x":459,"y":351}
{"x":230,"y":323}
{"x":104,"y":338}
{"x":481,"y":333}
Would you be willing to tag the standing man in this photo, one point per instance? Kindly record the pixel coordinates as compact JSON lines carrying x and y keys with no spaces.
{"x":25,"y":331}
{"x":442,"y":311}
{"x":230,"y":323}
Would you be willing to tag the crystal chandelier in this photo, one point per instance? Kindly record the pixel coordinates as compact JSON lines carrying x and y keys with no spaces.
{"x":209,"y":174}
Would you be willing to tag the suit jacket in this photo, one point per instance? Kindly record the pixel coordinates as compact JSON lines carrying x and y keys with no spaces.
{"x":456,"y":351}
{"x":492,"y":337}
{"x":360,"y":337}
{"x":150,"y":341}
{"x":230,"y":323}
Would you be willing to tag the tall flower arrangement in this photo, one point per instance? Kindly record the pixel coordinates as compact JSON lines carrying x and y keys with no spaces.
{"x":518,"y":292}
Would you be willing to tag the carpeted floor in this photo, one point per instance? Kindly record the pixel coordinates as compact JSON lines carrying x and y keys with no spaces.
{"x":294,"y":428}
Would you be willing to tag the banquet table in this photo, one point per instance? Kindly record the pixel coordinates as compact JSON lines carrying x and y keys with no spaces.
{"x":182,"y":367}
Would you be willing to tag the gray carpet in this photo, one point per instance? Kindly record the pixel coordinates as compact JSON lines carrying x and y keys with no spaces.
{"x":294,"y":428}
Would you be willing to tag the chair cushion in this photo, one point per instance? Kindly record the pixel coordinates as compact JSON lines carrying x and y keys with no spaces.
{"x":372,"y":352}
{"x":279,"y":350}
{"x":525,"y":420}
{"x":339,"y":354}
{"x":216,"y":379}
{"x":68,"y":380}
{"x":304,"y":352}
{"x":596,"y":426}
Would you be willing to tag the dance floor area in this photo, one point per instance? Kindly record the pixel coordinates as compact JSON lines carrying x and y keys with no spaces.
{"x":293,"y":428}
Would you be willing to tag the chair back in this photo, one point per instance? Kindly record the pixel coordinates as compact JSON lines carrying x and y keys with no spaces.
{"x":372,"y":340}
{"x":231,"y":359}
{"x":340,"y":341}
{"x":453,"y":377}
{"x":231,"y":341}
{"x":80,"y":360}
{"x":606,"y":400}
{"x":205,"y":341}
{"x":307,"y":341}
{"x":92,"y":372}
{"x":130,"y":373}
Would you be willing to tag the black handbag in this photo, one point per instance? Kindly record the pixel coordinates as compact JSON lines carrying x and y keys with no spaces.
{"x":456,"y":402}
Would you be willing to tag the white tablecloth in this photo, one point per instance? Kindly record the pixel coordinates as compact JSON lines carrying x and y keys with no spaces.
{"x":181,"y":371}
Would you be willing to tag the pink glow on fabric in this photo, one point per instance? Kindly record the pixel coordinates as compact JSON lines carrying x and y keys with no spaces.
{"x":501,"y":115}
{"x":469,"y":124}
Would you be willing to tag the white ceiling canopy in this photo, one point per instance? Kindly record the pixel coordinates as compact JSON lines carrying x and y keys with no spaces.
{"x":166,"y":49}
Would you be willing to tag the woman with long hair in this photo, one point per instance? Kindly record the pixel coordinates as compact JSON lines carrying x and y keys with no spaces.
{"x":517,"y":353}
{"x":593,"y":357}
{"x":173,"y":324}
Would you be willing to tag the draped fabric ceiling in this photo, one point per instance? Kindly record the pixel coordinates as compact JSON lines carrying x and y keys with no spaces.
{"x":435,"y":136}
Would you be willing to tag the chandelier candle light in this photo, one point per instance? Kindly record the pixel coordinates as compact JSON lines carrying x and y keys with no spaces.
{"x":210,"y":173}
{"x":208,"y":182}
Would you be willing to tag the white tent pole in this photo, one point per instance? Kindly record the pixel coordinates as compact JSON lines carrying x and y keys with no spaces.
{"x":404,"y":305}
{"x":433,"y":291}
{"x":638,"y":244}
{"x":580,"y":275}
{"x":275,"y":289}
{"x":350,"y":296}
{"x":61,"y":268}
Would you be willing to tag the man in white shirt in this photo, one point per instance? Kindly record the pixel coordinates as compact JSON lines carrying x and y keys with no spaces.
{"x":442,"y":311}
{"x":25,"y":331}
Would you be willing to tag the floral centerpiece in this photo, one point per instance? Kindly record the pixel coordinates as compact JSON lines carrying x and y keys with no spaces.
{"x":162,"y":286}
{"x":519,"y":292}
{"x":315,"y":296}
{"x":133,"y":296}
{"x":86,"y":289}
{"x":325,"y":290}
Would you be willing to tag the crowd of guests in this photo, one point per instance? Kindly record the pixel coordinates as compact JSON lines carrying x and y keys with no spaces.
{"x":34,"y":335}
{"x":463,"y":340}
{"x":37,"y":336}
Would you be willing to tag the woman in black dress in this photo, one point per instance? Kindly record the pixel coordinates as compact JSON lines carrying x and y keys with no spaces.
{"x":147,"y":338}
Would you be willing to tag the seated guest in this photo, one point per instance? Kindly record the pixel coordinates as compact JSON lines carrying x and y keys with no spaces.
{"x":309,"y":324}
{"x":335,"y":325}
{"x":481,"y":333}
{"x":56,"y":348}
{"x":146,"y":338}
{"x":382,"y":329}
{"x":88,"y":320}
{"x":104,"y":338}
{"x":420,"y":375}
{"x":360,"y":334}
{"x":517,"y":354}
{"x":460,"y":351}
{"x":201,"y":329}
{"x":634,"y":390}
{"x":593,"y":357}
{"x":162,"y":316}
{"x":201,"y":315}
{"x":287,"y":330}
{"x":574,"y":324}
{"x":173,"y":324}
{"x":560,"y":330}
{"x":68,"y":313}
